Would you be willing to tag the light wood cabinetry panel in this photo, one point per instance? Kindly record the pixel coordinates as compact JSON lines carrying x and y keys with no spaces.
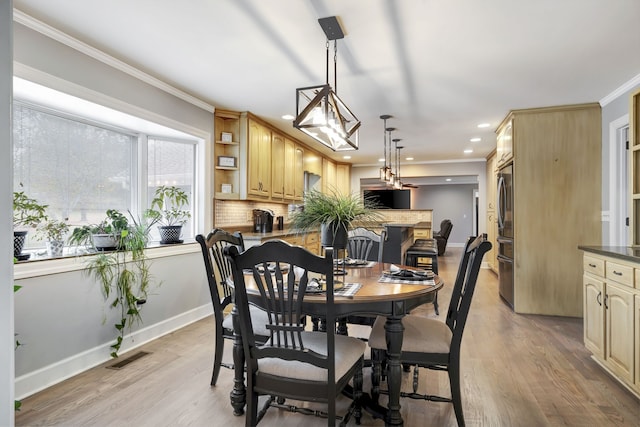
{"x":504,"y":146}
{"x":289,"y":169}
{"x":557,"y":204}
{"x":298,"y":173}
{"x":594,"y":319}
{"x":227,"y":123}
{"x":329,"y":179}
{"x":612,"y":316}
{"x":343,"y":178}
{"x":619,"y":333}
{"x":259,"y":161}
{"x":634,"y":160}
{"x":278,"y":166}
{"x":492,"y":223}
{"x":636,"y":322}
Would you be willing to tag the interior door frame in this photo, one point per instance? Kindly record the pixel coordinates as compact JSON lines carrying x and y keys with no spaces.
{"x":618,"y":183}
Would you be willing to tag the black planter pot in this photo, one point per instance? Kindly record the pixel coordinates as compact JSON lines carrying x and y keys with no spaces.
{"x":333,"y":235}
{"x":170,"y":234}
{"x":19,"y":238}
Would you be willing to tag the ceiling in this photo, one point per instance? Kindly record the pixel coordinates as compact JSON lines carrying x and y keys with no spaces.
{"x":439,"y":67}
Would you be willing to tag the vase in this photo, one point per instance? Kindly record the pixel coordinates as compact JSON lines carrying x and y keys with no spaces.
{"x":104,"y":242}
{"x":55,"y":248}
{"x":170,"y":234}
{"x":334,"y":235}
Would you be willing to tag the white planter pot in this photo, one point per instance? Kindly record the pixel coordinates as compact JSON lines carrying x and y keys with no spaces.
{"x":55,"y":248}
{"x":104,"y":242}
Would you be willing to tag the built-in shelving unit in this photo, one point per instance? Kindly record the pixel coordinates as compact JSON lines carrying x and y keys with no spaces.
{"x":227,"y":155}
{"x":634,"y":145}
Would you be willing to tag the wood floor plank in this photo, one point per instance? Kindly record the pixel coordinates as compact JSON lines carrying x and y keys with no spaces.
{"x":516,"y":370}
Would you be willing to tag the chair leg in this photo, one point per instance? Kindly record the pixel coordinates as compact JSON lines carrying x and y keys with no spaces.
{"x":217,"y":359}
{"x":251,"y":417}
{"x":376,"y":373}
{"x":435,"y":305}
{"x":456,"y":396}
{"x":357,"y":392}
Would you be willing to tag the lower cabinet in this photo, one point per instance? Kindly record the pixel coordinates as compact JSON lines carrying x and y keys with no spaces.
{"x":612,"y":316}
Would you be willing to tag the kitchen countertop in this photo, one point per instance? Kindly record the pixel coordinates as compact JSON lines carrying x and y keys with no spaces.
{"x":621,"y":252}
{"x":273,"y":235}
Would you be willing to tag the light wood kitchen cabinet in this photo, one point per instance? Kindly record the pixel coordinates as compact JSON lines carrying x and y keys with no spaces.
{"x":343,"y":178}
{"x":278,"y":167}
{"x":329,"y":181}
{"x":612,"y":315}
{"x":557,"y":164}
{"x":298,"y":173}
{"x":226,"y":147}
{"x":258,"y":161}
{"x":492,"y":223}
{"x":634,"y":159}
{"x":504,"y":146}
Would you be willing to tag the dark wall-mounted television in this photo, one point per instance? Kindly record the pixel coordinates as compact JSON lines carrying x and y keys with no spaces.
{"x":389,"y":199}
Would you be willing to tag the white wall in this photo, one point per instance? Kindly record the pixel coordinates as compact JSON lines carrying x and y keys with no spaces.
{"x":6,"y":225}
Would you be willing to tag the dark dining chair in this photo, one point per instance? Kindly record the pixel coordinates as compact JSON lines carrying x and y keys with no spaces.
{"x":218,"y":270}
{"x":361,"y":241}
{"x":431,"y":343}
{"x":294,"y":363}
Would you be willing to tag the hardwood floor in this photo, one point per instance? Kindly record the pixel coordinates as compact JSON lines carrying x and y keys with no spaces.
{"x":517,"y":370}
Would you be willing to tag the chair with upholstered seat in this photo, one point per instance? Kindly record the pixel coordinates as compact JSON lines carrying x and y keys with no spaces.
{"x":431,"y":343}
{"x":442,"y":235}
{"x":218,"y":270}
{"x":293,"y":363}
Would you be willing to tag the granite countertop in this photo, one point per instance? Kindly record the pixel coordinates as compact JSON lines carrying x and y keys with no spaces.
{"x":620,"y":252}
{"x":272,"y":235}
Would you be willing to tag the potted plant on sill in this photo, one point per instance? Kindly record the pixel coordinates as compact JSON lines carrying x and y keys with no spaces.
{"x":167,"y":207}
{"x":54,"y":231}
{"x":334,"y":214}
{"x":104,"y":236}
{"x":27,"y":212}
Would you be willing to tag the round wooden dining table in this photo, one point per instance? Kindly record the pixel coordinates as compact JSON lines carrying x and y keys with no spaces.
{"x":393,"y":299}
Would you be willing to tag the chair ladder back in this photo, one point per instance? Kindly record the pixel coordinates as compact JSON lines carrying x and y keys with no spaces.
{"x":465,"y":286}
{"x":273,"y":264}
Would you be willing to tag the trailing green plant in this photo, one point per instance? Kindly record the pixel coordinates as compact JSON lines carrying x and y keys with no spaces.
{"x":124,"y":275}
{"x":167,"y":206}
{"x":27,"y":212}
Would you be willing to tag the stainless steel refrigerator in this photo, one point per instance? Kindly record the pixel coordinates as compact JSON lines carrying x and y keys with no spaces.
{"x":505,"y":233}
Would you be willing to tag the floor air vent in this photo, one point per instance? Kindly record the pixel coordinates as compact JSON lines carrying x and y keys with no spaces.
{"x":124,"y":362}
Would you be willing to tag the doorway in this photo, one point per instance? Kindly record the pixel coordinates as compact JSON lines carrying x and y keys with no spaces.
{"x":619,"y":182}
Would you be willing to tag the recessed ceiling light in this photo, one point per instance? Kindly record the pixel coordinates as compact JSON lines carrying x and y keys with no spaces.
{"x":381,"y":160}
{"x":346,"y":157}
{"x":476,"y":139}
{"x":468,"y":150}
{"x":484,"y":125}
{"x":448,"y":179}
{"x":409,"y":158}
{"x":288,"y":117}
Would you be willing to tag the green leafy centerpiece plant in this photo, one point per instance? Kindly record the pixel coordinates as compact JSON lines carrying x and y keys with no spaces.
{"x":168,"y":208}
{"x":334,"y":214}
{"x":124,"y":270}
{"x":27,"y":213}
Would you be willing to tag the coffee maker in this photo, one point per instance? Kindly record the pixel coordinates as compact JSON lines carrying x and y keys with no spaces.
{"x":262,"y":220}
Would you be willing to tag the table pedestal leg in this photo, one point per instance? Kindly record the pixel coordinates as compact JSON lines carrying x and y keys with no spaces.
{"x":394,"y":331}
{"x":238,"y":395}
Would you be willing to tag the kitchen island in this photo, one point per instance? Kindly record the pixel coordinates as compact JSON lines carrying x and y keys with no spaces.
{"x":611,"y":298}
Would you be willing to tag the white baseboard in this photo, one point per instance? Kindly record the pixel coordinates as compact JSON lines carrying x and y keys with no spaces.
{"x":36,"y":381}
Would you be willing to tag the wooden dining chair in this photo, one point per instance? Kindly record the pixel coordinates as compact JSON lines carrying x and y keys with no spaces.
{"x":431,"y":343}
{"x":218,"y":270}
{"x":294,"y":363}
{"x":361,"y":241}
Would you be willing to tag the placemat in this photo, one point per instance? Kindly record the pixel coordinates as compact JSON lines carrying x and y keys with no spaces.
{"x":428,"y":282}
{"x":348,"y":290}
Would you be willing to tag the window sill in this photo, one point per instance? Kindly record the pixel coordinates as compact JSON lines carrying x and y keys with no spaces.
{"x":48,"y":266}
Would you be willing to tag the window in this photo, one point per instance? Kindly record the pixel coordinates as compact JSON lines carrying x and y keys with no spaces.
{"x":81,"y":168}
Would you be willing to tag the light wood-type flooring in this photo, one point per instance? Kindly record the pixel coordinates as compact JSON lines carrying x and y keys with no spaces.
{"x":516,"y":370}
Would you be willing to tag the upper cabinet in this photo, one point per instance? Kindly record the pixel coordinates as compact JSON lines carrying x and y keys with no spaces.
{"x":634,"y":144}
{"x":504,"y":147}
{"x":328,"y":176}
{"x":258,"y":160}
{"x":343,"y":177}
{"x":227,"y":154}
{"x":278,"y":166}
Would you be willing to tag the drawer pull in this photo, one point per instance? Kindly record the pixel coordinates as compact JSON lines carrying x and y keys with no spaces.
{"x":617,"y":273}
{"x":592,"y":265}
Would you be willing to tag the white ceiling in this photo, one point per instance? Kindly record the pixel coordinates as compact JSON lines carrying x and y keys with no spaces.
{"x":440,"y":67}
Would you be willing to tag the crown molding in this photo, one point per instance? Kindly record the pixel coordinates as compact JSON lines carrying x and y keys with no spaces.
{"x":626,"y":87}
{"x":64,"y":38}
